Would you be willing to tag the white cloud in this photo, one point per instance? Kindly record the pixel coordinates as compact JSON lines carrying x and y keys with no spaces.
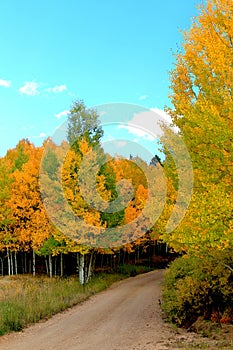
{"x":143,"y":97}
{"x":147,"y":125}
{"x":5,"y":83}
{"x":57,"y":89}
{"x":41,"y":135}
{"x":137,"y":131}
{"x":29,"y":88}
{"x":62,"y":114}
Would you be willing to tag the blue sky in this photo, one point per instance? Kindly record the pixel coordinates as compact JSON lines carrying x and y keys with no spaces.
{"x":55,"y":52}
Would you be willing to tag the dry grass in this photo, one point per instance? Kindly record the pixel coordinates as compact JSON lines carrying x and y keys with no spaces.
{"x":26,"y":299}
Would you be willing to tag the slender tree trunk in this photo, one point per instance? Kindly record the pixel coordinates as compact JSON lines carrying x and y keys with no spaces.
{"x":90,"y":268}
{"x":9,"y":263}
{"x":61,"y":265}
{"x":33,"y":262}
{"x":29,"y":264}
{"x":55,"y":266}
{"x":85,"y":269}
{"x":46,"y":265}
{"x":138,"y":257}
{"x":82,"y":269}
{"x":12,"y":265}
{"x":50,"y":267}
{"x":16,"y":264}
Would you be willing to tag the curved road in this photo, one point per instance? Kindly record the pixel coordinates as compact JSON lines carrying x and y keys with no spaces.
{"x":125,"y":316}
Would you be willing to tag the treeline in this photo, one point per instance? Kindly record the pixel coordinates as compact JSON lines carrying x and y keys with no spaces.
{"x":33,"y":184}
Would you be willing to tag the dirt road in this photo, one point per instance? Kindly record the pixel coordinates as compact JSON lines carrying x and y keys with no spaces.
{"x":126,"y":316}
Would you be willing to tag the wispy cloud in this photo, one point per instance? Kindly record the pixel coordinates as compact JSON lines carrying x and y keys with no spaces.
{"x":62,"y":114}
{"x":143,"y":97}
{"x":57,"y":89}
{"x":40,"y":136}
{"x":29,"y":88}
{"x":137,"y":130}
{"x":5,"y":83}
{"x":147,"y":125}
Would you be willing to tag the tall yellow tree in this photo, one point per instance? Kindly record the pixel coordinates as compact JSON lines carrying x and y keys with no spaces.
{"x":11,"y":163}
{"x":31,"y":225}
{"x":202,"y":96}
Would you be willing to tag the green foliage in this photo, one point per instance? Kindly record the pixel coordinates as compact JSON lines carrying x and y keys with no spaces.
{"x":198,"y":286}
{"x":21,"y":159}
{"x":50,"y":246}
{"x":116,"y":218}
{"x":5,"y":193}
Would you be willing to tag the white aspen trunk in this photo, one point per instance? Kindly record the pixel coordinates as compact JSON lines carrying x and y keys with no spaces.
{"x":33,"y":262}
{"x":90,"y":268}
{"x":8,"y":262}
{"x":55,"y":266}
{"x":50,"y":266}
{"x":85,"y":269}
{"x":46,"y":266}
{"x":16,"y":264}
{"x":12,"y":265}
{"x":82,"y":269}
{"x":61,"y":265}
